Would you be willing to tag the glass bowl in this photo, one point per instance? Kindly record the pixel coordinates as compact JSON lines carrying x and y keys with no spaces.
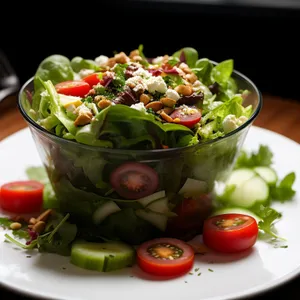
{"x":83,"y":178}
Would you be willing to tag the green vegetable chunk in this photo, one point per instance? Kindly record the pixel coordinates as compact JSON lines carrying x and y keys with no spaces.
{"x":102,"y":257}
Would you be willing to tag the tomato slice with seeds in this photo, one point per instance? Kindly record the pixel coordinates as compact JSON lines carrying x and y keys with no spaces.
{"x":134,"y":180}
{"x":165,"y":257}
{"x":93,"y":79}
{"x":230,"y":232}
{"x":188,"y":116}
{"x":22,"y":196}
{"x":73,"y":88}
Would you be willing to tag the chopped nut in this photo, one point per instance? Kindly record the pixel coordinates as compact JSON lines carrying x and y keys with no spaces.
{"x":121,"y":58}
{"x":176,"y":120}
{"x":104,"y":103}
{"x":99,"y":98}
{"x":111,"y":62}
{"x":44,"y":216}
{"x":165,"y":59}
{"x":30,"y":226}
{"x":166,"y":117}
{"x":15,"y":226}
{"x":32,"y":221}
{"x":155,"y":105}
{"x":145,"y":99}
{"x":168,"y":102}
{"x":168,"y":110}
{"x":137,"y":58}
{"x":191,"y":77}
{"x":184,"y":90}
{"x":134,"y":53}
{"x":83,"y":118}
{"x":185,"y":68}
{"x":39,"y":227}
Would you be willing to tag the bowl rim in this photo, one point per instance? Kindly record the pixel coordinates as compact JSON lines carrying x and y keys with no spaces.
{"x":151,"y":151}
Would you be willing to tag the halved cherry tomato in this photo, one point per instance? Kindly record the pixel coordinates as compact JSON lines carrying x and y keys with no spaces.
{"x":22,"y":196}
{"x":230,"y":232}
{"x":165,"y":257}
{"x":187,"y":116}
{"x":191,"y":213}
{"x":93,"y":79}
{"x":73,"y":88}
{"x":134,"y":180}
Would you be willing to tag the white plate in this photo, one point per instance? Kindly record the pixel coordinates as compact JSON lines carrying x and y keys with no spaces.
{"x":52,"y":276}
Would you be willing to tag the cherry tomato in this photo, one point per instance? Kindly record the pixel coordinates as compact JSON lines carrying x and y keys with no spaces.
{"x":187,"y":116}
{"x":93,"y":79}
{"x":73,"y":88}
{"x":134,"y":180}
{"x":165,"y":257}
{"x":191,"y":213}
{"x":22,"y":196}
{"x":230,"y":232}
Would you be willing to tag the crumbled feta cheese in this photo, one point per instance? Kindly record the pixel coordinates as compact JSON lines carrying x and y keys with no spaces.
{"x":156,"y":84}
{"x":70,"y":108}
{"x":186,"y":110}
{"x":138,"y":82}
{"x":172,"y":94}
{"x":85,"y":72}
{"x":231,"y":122}
{"x":101,"y":60}
{"x":158,"y":60}
{"x":142,"y":73}
{"x":139,"y":106}
{"x":81,"y":110}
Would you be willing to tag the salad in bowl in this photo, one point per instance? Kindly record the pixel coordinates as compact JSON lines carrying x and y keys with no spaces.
{"x":133,"y":146}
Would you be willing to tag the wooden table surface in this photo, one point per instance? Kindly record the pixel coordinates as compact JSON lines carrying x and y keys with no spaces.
{"x":279,"y":115}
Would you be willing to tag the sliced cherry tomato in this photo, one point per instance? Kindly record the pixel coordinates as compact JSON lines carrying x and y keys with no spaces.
{"x":188,"y":116}
{"x":73,"y":88}
{"x":93,"y":79}
{"x":22,"y":196}
{"x":165,"y":257}
{"x":230,"y":232}
{"x":191,"y":213}
{"x":134,"y":180}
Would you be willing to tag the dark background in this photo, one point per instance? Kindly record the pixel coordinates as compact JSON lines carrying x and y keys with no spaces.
{"x":262,"y":39}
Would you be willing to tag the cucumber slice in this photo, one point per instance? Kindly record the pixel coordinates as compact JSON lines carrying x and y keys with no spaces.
{"x":250,"y":192}
{"x":147,"y":200}
{"x":160,"y":205}
{"x":104,"y":211}
{"x":102,"y":257}
{"x":236,"y":210}
{"x":156,"y":219}
{"x":193,"y":187}
{"x":239,"y":176}
{"x":267,"y":174}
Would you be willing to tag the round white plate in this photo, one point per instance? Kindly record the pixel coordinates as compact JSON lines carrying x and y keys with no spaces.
{"x":222,"y":276}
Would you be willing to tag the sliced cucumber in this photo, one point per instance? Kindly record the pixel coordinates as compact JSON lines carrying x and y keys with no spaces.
{"x":160,"y":205}
{"x":239,"y":176}
{"x":102,"y":257}
{"x":147,"y":200}
{"x":156,"y":219}
{"x":250,"y":192}
{"x":193,"y":187}
{"x":267,"y":174}
{"x":104,"y":211}
{"x":236,"y":210}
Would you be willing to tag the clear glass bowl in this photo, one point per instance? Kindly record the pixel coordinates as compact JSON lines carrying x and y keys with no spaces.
{"x":80,"y":176}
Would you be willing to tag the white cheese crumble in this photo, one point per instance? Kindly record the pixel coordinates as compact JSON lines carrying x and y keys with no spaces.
{"x":81,"y":110}
{"x":186,"y":110}
{"x":139,"y":106}
{"x":172,"y":94}
{"x":156,"y":84}
{"x":158,"y":60}
{"x":231,"y":122}
{"x":142,"y":73}
{"x":101,"y":60}
{"x":138,"y":82}
{"x":85,"y":72}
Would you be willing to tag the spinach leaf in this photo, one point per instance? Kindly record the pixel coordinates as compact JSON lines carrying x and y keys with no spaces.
{"x":188,"y":55}
{"x":78,"y":63}
{"x":56,"y":68}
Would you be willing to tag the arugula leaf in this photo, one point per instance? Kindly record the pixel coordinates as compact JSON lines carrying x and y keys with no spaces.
{"x":284,"y":190}
{"x":269,"y":217}
{"x":263,"y":157}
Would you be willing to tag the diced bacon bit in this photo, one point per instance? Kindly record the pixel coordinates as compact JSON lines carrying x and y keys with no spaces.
{"x":155,"y":72}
